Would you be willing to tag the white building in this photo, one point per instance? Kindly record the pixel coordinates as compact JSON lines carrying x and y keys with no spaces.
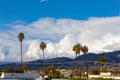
{"x":104,"y":75}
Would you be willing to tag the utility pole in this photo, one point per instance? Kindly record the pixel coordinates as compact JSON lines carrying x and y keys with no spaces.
{"x":87,"y":67}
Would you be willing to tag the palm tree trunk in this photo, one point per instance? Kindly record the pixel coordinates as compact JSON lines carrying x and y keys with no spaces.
{"x":43,"y":56}
{"x":87,"y":69}
{"x":43,"y":65}
{"x":21,"y":58}
{"x":76,"y":63}
{"x":102,"y":67}
{"x":21,"y":53}
{"x":78,"y":66}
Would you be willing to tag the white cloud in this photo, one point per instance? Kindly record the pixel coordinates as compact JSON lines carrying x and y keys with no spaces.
{"x":33,"y":51}
{"x":100,"y":34}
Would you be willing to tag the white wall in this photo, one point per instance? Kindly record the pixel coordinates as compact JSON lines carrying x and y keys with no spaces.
{"x":20,"y":75}
{"x":104,"y":75}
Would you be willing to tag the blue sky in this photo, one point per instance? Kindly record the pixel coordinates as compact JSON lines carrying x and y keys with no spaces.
{"x":60,"y":24}
{"x":30,"y":10}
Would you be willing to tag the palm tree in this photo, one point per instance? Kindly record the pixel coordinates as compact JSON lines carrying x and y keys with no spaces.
{"x":21,"y":37}
{"x":84,"y":49}
{"x":102,"y":60}
{"x":42,"y":47}
{"x":77,"y":49}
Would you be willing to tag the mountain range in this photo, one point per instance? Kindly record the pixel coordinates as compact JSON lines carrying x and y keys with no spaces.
{"x":112,"y":57}
{"x":65,"y":62}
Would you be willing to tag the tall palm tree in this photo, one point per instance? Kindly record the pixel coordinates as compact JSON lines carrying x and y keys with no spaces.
{"x":84,"y":49}
{"x":42,"y":47}
{"x":101,"y":61}
{"x":77,"y":49}
{"x":21,"y":37}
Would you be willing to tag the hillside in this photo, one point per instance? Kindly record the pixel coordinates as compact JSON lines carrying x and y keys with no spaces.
{"x":64,"y":62}
{"x":111,"y":56}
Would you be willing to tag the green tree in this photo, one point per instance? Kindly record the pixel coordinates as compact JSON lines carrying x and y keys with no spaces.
{"x":77,"y":49}
{"x":25,"y":66}
{"x":84,"y":49}
{"x":13,"y":70}
{"x":42,"y":47}
{"x":102,"y":60}
{"x":21,"y":37}
{"x":53,"y":72}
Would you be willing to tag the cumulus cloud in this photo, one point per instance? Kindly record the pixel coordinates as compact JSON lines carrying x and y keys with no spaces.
{"x":99,"y":34}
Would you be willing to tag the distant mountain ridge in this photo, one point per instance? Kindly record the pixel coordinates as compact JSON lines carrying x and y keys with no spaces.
{"x":65,"y":62}
{"x":110,"y":56}
{"x":54,"y":60}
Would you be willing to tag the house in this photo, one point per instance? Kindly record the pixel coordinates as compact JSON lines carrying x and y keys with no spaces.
{"x":65,"y":72}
